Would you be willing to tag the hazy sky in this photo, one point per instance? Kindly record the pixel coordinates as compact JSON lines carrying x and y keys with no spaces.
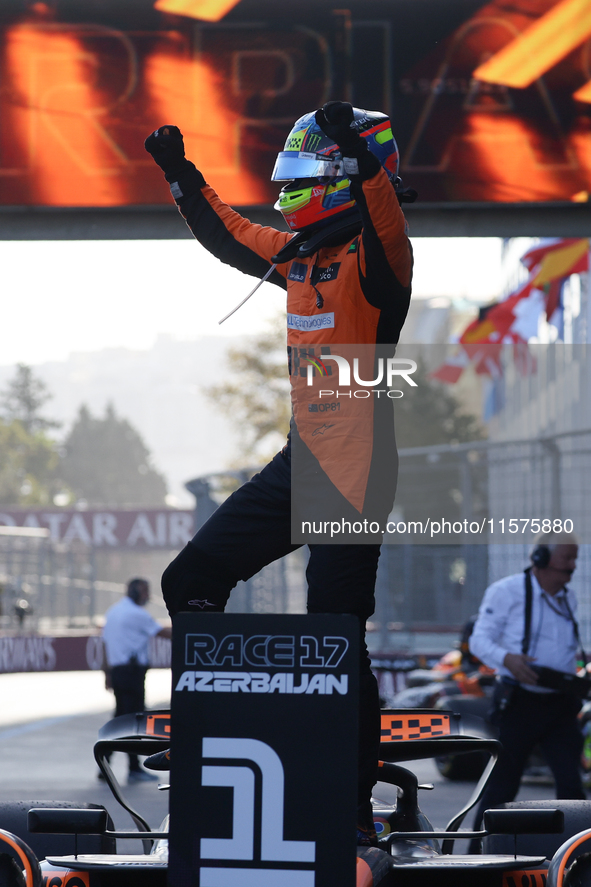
{"x":61,"y":297}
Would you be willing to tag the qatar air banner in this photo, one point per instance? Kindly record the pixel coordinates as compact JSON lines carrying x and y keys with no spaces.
{"x":145,"y":529}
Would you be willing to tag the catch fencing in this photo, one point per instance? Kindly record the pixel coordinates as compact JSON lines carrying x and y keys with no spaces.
{"x":494,"y":492}
{"x":47,"y":585}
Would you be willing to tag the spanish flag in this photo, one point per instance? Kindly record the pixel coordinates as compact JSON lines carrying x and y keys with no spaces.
{"x":555,"y":259}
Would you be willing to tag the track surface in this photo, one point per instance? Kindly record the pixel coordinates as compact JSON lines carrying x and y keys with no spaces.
{"x":51,"y":757}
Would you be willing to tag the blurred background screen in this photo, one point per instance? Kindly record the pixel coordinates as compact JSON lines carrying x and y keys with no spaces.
{"x":490,"y":102}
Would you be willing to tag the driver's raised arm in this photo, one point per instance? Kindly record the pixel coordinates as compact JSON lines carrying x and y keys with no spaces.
{"x":223,"y":232}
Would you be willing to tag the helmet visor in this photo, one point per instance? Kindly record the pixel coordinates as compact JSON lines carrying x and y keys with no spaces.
{"x":300,"y":165}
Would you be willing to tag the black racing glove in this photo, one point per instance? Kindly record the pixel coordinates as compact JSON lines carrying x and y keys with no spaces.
{"x":335,"y":119}
{"x":168,"y":150}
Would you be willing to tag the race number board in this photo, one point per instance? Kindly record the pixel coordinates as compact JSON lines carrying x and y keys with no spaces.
{"x":264,"y":751}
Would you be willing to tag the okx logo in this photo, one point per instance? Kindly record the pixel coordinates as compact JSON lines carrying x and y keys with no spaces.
{"x":269,"y":806}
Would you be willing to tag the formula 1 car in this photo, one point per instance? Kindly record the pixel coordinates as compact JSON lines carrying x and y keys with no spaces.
{"x":460,"y":683}
{"x":410,"y":852}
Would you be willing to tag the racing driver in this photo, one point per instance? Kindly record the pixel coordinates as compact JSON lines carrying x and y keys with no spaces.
{"x":346,"y":264}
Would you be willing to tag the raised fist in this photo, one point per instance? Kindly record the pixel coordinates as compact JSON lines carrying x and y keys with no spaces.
{"x":167,"y":148}
{"x":337,"y":113}
{"x":335,"y":119}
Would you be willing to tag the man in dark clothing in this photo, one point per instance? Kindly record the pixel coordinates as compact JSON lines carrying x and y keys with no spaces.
{"x":347,"y":272}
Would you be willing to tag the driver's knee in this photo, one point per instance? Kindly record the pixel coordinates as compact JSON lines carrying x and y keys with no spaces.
{"x":196,"y":582}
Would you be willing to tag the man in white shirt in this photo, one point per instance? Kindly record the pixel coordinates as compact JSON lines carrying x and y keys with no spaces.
{"x":126,"y":634}
{"x":527,"y":714}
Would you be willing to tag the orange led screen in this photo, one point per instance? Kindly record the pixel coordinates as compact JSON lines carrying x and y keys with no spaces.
{"x":485,"y":107}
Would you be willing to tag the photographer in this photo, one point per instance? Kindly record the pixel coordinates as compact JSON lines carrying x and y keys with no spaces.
{"x":527,"y":630}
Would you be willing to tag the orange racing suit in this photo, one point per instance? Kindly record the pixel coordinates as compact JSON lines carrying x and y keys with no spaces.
{"x":352,"y":293}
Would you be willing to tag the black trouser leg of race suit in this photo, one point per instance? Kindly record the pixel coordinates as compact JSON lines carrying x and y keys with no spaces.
{"x":252,"y":528}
